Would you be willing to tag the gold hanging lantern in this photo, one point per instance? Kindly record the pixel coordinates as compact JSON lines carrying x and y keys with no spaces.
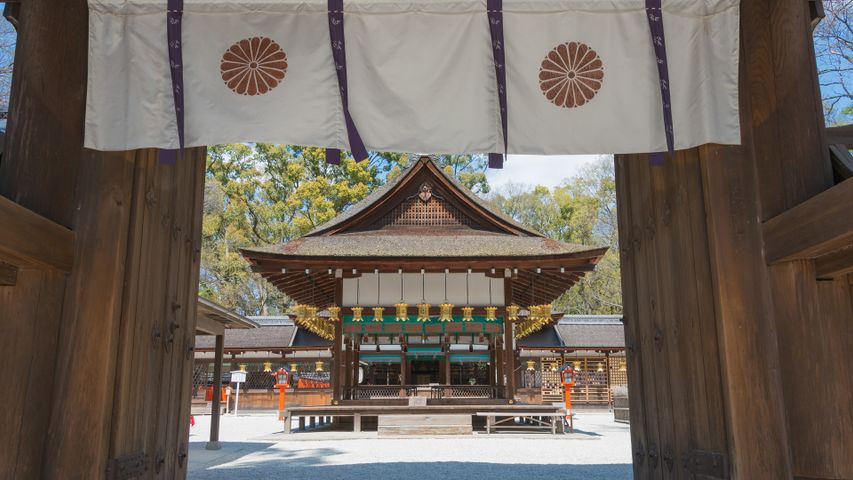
{"x":467,"y":314}
{"x":530,"y":365}
{"x":334,"y":313}
{"x":533,"y":314}
{"x":378,"y":314}
{"x":512,"y":312}
{"x":402,"y":312}
{"x":491,"y":314}
{"x":356,"y":314}
{"x":242,"y":367}
{"x":293,"y":368}
{"x":445,"y":312}
{"x":423,"y":312}
{"x":267,"y":367}
{"x":318,"y":366}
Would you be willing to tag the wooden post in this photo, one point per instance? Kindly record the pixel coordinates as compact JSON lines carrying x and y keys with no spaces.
{"x":509,"y":344}
{"x":446,"y":365}
{"x":607,"y":377}
{"x":499,"y":365}
{"x":337,"y":368}
{"x":404,"y":369}
{"x":492,"y":366}
{"x":345,"y":378}
{"x":356,"y":356}
{"x":216,"y":407}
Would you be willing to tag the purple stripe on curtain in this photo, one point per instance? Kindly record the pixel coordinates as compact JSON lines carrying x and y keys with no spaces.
{"x":494,"y":10}
{"x":174,"y":17}
{"x":654,"y":13}
{"x":336,"y":35}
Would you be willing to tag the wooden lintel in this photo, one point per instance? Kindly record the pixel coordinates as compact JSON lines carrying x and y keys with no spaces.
{"x":265,"y":262}
{"x":835,"y":264}
{"x":8,"y":275}
{"x":30,"y":240}
{"x":207,"y":326}
{"x":813,"y":228}
{"x":840,"y":135}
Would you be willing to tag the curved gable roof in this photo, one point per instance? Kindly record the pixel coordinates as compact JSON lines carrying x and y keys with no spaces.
{"x":387,"y":196}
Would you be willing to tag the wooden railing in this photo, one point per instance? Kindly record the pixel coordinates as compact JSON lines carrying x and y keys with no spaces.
{"x":463,"y":391}
{"x":369,"y":392}
{"x":591,"y":395}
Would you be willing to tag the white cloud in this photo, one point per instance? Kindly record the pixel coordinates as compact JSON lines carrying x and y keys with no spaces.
{"x":546,"y":170}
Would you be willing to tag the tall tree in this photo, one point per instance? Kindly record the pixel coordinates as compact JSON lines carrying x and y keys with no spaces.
{"x":833,"y":43}
{"x":581,"y":210}
{"x":263,"y":195}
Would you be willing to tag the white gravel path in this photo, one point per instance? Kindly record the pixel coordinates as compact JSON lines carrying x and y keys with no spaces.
{"x":254,"y":448}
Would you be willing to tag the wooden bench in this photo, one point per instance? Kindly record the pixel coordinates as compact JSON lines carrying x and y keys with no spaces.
{"x":535,"y":419}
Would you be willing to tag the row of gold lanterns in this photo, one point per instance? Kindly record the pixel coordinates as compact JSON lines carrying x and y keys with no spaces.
{"x":445,"y":313}
{"x":308,"y":316}
{"x":538,"y":317}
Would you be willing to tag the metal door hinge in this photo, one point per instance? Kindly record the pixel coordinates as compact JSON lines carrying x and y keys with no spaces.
{"x":126,"y":466}
{"x":708,"y":464}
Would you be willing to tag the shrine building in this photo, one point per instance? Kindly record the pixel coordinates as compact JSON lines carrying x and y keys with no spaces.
{"x":424,"y":291}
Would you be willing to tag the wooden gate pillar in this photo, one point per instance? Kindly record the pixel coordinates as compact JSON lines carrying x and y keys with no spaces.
{"x":708,"y":324}
{"x":117,"y":330}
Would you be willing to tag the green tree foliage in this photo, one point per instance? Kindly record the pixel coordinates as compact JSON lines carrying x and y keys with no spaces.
{"x":581,"y":210}
{"x":264,"y":195}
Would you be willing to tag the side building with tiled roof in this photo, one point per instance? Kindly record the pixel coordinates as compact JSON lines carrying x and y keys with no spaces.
{"x":276,"y":343}
{"x":595,"y":347}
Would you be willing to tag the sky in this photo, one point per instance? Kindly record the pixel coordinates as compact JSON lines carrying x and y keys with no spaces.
{"x":546,"y":170}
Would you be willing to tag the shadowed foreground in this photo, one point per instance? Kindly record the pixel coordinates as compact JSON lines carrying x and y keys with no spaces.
{"x":254,"y":448}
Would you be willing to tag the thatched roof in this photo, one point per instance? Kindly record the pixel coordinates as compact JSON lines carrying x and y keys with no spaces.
{"x":421,"y":246}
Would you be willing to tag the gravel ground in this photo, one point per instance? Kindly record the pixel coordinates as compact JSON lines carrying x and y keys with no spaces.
{"x":254,"y":448}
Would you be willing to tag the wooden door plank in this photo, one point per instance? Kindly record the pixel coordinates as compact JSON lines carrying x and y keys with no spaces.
{"x":78,"y":445}
{"x":753,"y":393}
{"x":629,"y":250}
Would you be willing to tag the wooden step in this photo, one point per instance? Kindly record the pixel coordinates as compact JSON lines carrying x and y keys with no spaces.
{"x":424,"y":425}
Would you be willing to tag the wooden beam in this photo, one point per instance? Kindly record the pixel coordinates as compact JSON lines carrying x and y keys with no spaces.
{"x":835,"y":264}
{"x":28,"y":239}
{"x":206,"y":326}
{"x":815,"y":227}
{"x":266,"y":261}
{"x":8,"y":275}
{"x":840,"y":135}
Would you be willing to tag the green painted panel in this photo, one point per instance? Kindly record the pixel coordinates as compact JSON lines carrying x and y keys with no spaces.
{"x":390,"y":326}
{"x":413,"y":319}
{"x":469,"y":357}
{"x":379,"y":358}
{"x":425,"y":350}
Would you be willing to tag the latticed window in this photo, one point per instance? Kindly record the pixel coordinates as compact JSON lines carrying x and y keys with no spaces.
{"x":469,"y":373}
{"x":618,"y":371}
{"x":432,"y":212}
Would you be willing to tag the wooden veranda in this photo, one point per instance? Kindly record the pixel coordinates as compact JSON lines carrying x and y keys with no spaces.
{"x":736,"y":264}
